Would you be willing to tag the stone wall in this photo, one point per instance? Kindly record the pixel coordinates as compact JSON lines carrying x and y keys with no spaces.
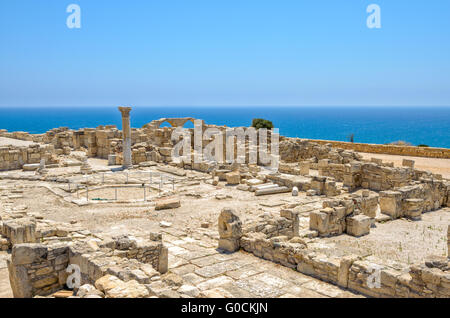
{"x":287,"y":224}
{"x":297,"y":150}
{"x":388,"y":149}
{"x":348,"y":215}
{"x":42,"y":250}
{"x":411,"y":201}
{"x":13,"y":158}
{"x":37,"y":269}
{"x":369,"y":277}
{"x":352,"y":272}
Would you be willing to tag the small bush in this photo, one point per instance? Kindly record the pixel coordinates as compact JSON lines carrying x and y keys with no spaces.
{"x":258,"y":123}
{"x":424,"y":146}
{"x":401,"y":143}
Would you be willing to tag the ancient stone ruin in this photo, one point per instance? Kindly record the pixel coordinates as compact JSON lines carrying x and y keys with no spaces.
{"x":108,"y":212}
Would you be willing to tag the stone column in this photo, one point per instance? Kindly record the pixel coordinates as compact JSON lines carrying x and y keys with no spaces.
{"x":126,"y":132}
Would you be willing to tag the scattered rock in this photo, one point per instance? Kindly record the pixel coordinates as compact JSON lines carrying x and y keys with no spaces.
{"x":167,"y":203}
{"x":165,"y":224}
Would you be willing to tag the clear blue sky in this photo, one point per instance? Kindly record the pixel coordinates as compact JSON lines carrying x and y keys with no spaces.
{"x":224,"y":52}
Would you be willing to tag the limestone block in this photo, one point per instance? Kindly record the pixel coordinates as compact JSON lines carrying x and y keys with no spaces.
{"x":112,"y":159}
{"x":344,"y":267}
{"x":20,"y":283}
{"x":230,"y":230}
{"x":328,"y":221}
{"x":391,"y":203}
{"x":233,"y":177}
{"x":20,"y":230}
{"x":163,"y":260}
{"x":413,"y":208}
{"x":28,"y":253}
{"x":408,"y":163}
{"x":304,"y":168}
{"x":369,"y":204}
{"x":358,"y":225}
{"x":319,"y":221}
{"x":167,"y":203}
{"x":31,"y":166}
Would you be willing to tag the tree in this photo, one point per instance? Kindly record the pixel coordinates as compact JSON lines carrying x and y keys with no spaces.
{"x":351,"y":137}
{"x":258,"y":123}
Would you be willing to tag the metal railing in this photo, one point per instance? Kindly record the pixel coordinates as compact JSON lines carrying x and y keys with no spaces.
{"x":160,"y":178}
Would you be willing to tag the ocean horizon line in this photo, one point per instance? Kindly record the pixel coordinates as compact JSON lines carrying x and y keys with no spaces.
{"x":230,"y":106}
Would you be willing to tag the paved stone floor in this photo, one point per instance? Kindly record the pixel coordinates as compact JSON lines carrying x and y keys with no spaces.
{"x":226,"y":275}
{"x":240,"y":274}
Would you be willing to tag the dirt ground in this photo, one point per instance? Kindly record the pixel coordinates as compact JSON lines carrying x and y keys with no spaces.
{"x":400,"y":240}
{"x":14,"y":142}
{"x":403,"y":241}
{"x":435,"y":165}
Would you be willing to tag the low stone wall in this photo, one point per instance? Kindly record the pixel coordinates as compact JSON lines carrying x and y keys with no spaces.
{"x":388,"y":149}
{"x":370,"y":278}
{"x":411,"y":201}
{"x":295,"y":150}
{"x":287,"y":224}
{"x":42,"y":250}
{"x":13,"y":158}
{"x":37,"y":269}
{"x":349,"y":215}
{"x":368,"y":175}
{"x":352,"y":272}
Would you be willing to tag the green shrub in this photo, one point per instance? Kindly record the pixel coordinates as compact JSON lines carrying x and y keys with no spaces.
{"x":422,"y":145}
{"x":258,"y":123}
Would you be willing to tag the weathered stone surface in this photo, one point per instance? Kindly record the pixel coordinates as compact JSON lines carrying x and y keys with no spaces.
{"x":233,"y":177}
{"x":230,"y":230}
{"x":358,"y":225}
{"x":20,"y":283}
{"x":28,"y":253}
{"x":167,"y":203}
{"x":408,"y":163}
{"x":189,"y":290}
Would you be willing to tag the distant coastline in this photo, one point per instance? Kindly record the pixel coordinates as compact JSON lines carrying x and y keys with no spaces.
{"x":379,"y":125}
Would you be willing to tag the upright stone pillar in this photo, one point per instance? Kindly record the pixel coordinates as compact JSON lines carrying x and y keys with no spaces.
{"x":126,"y":132}
{"x":230,"y":230}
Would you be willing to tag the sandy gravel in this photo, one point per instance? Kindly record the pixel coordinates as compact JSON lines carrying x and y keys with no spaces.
{"x":14,"y":142}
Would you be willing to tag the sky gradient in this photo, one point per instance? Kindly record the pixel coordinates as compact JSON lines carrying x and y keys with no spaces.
{"x":217,"y":52}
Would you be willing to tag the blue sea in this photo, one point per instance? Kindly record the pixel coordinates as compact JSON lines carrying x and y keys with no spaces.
{"x":416,"y":125}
